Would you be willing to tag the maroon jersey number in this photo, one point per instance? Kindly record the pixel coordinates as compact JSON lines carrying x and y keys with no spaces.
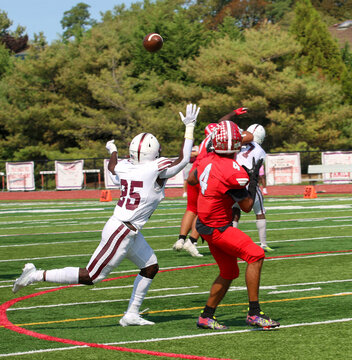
{"x":133,"y":198}
{"x":250,"y":148}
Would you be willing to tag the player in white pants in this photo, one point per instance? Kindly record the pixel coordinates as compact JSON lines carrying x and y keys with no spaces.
{"x":245,"y":157}
{"x":142,"y":180}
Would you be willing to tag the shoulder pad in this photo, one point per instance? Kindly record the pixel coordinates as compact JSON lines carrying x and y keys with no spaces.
{"x":163,"y":163}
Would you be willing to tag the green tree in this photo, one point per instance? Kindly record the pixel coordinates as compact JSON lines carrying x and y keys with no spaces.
{"x":5,"y":60}
{"x":337,"y":9}
{"x":67,"y":99}
{"x":277,"y":9}
{"x":297,"y":110}
{"x":76,"y":21}
{"x":6,"y":23}
{"x":320,"y":52}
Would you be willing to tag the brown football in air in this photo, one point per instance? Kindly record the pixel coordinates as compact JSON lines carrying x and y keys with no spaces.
{"x":153,"y":42}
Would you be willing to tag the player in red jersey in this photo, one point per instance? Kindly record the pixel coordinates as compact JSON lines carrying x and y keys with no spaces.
{"x":190,"y":215}
{"x":222,"y":183}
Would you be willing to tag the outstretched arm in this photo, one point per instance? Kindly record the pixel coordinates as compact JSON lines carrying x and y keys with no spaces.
{"x":184,"y":156}
{"x":230,"y":116}
{"x":247,"y":137}
{"x":111,"y":147}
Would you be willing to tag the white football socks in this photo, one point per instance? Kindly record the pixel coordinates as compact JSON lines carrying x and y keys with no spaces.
{"x":261,"y":226}
{"x":140,"y":288}
{"x":67,"y":275}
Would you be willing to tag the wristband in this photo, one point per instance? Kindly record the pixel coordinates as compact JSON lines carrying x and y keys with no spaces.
{"x":189,"y":131}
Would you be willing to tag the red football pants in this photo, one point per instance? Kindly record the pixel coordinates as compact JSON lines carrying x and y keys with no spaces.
{"x":229,"y":245}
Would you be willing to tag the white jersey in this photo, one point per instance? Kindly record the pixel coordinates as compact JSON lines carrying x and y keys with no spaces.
{"x":245,"y":157}
{"x":249,"y":152}
{"x":140,"y":193}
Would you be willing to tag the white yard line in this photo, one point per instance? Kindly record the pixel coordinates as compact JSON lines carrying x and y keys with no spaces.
{"x":293,"y":291}
{"x":150,"y":290}
{"x":170,"y":235}
{"x":158,"y":250}
{"x":231,"y":289}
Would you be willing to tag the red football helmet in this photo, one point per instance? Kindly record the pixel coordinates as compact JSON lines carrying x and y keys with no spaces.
{"x":209,"y":128}
{"x":226,"y":138}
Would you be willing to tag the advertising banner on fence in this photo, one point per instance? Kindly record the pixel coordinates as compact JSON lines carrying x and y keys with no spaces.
{"x":20,"y":176}
{"x":175,"y":181}
{"x":283,"y":168}
{"x":107,"y":180}
{"x":337,"y":157}
{"x":69,"y":175}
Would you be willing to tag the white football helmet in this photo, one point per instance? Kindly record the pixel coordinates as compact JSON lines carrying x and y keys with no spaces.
{"x":144,"y":148}
{"x":258,"y":133}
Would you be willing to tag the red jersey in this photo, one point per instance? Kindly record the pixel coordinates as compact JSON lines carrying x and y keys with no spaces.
{"x":202,"y":152}
{"x":217,"y":175}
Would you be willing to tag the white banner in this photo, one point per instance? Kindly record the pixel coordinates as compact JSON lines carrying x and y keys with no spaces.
{"x":175,"y":181}
{"x":69,"y":175}
{"x":20,"y":176}
{"x":337,"y":157}
{"x":283,"y":168}
{"x":107,"y":180}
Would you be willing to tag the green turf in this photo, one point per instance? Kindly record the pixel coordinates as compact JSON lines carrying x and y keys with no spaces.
{"x":306,"y":281}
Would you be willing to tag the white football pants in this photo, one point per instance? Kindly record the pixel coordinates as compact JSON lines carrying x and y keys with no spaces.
{"x":119,"y":242}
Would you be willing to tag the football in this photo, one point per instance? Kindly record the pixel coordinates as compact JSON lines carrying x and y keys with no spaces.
{"x":153,"y":42}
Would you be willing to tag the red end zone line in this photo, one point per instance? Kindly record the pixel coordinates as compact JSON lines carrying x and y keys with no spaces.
{"x":9,"y":325}
{"x":4,"y":321}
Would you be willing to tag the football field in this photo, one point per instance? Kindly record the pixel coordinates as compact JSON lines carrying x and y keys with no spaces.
{"x":306,"y":285}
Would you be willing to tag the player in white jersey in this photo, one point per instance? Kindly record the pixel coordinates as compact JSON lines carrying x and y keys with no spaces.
{"x":245,"y":157}
{"x":142,"y":179}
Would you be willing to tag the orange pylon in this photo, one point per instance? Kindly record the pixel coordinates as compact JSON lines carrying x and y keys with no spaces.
{"x":105,"y":195}
{"x":309,"y":192}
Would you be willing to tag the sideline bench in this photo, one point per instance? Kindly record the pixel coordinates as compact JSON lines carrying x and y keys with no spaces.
{"x":321,"y":169}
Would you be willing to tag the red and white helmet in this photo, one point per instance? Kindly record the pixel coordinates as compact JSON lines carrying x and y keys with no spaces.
{"x":226,"y":138}
{"x":144,"y":148}
{"x":210,"y":128}
{"x":258,"y":133}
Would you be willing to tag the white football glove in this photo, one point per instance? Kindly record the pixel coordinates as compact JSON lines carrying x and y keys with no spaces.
{"x":191,"y":115}
{"x":111,"y":147}
{"x":190,"y":119}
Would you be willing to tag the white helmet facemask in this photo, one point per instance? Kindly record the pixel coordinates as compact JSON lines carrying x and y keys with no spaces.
{"x":258,"y":133}
{"x":144,"y":148}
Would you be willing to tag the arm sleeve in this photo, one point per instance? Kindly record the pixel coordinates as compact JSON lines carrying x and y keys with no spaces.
{"x":177,"y":165}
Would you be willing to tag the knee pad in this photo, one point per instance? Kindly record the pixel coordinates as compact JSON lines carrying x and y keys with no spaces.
{"x":150,"y":271}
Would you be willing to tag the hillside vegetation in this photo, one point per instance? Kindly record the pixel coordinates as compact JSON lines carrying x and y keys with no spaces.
{"x":97,"y":82}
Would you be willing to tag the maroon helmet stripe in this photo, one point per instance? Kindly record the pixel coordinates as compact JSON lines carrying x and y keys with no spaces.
{"x":140,"y":145}
{"x":104,"y":249}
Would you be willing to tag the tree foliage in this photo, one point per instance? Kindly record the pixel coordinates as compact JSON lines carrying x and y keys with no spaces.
{"x":65,"y":100}
{"x":76,"y":21}
{"x":320,"y":51}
